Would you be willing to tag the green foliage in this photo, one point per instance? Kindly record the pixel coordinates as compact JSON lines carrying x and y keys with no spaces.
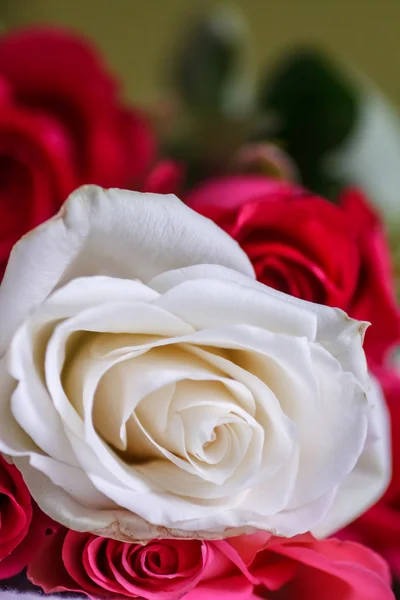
{"x":315,"y":109}
{"x":306,"y":105}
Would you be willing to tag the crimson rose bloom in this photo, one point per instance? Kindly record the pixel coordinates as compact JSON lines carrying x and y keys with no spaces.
{"x":62,"y":124}
{"x":252,"y":566}
{"x":35,"y":170}
{"x":22,"y":524}
{"x":307,"y":247}
{"x":379,"y":527}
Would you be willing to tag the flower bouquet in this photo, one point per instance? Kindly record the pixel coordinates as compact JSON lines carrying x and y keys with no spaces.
{"x":192,"y":402}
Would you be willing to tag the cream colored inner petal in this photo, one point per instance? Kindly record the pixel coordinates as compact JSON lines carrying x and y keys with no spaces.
{"x":178,"y":420}
{"x":324,"y":404}
{"x":164,"y":404}
{"x":279,"y":431}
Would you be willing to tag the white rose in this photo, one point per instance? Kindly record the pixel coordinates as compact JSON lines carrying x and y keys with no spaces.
{"x":151,"y":388}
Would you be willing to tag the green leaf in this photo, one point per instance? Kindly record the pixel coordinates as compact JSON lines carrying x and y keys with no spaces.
{"x":314,"y":103}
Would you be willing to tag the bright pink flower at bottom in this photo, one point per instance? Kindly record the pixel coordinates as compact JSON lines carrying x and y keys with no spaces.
{"x":300,"y":568}
{"x":102,"y":567}
{"x":242,"y":568}
{"x":305,"y":568}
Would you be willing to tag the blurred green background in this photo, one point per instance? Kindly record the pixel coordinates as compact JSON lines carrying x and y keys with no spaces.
{"x":138,"y":36}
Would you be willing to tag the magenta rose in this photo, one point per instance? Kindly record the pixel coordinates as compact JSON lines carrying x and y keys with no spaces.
{"x":102,"y":567}
{"x":22,"y":525}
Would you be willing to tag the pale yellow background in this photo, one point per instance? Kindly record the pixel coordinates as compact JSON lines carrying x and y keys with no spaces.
{"x":137,"y":36}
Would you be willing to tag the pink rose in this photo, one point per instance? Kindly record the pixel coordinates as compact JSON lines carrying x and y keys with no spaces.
{"x":22,"y":525}
{"x":102,"y":567}
{"x":327,"y":570}
{"x":303,"y":568}
{"x":251,"y":566}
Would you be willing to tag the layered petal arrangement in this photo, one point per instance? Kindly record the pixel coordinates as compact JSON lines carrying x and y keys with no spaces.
{"x":151,"y":388}
{"x":242,"y":568}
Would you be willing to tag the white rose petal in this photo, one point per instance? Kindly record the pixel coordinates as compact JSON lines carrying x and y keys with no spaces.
{"x":151,"y":388}
{"x":359,"y":491}
{"x":114,"y":232}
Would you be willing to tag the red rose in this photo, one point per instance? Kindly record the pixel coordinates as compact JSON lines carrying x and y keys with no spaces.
{"x":62,"y":124}
{"x":166,"y":177}
{"x":102,"y":567}
{"x":22,"y":525}
{"x":307,"y":247}
{"x":60,"y":75}
{"x":379,"y":527}
{"x":35,"y":170}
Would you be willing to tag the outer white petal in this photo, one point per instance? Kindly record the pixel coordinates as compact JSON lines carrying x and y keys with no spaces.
{"x":338,"y":333}
{"x":71,"y":480}
{"x":371,"y":475}
{"x":13,"y":439}
{"x":342,"y":336}
{"x":170,"y":279}
{"x":109,"y":232}
{"x":207,"y":303}
{"x":110,"y":522}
